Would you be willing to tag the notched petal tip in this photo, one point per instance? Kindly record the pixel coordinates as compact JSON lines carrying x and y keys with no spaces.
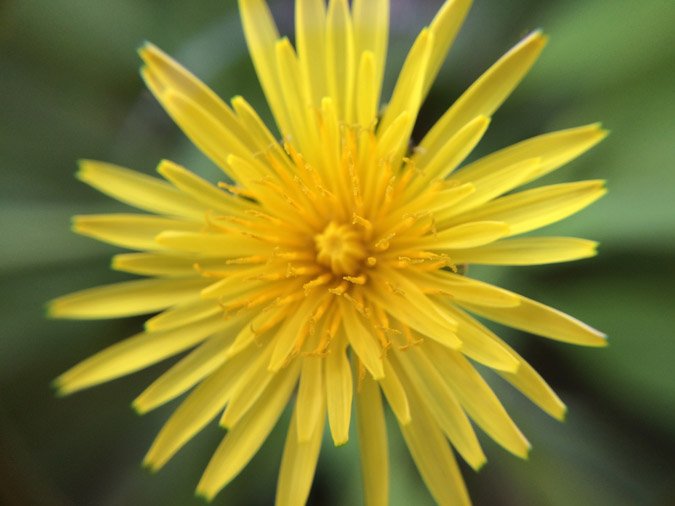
{"x":205,"y":497}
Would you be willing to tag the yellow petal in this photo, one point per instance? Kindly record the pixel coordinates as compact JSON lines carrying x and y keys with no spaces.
{"x":299,"y":463}
{"x":372,"y":432}
{"x":484,"y":96}
{"x":169,"y":75}
{"x":198,"y":409}
{"x":407,"y":94}
{"x":433,"y":457}
{"x":135,"y":353}
{"x":366,"y":101}
{"x":445,"y":26}
{"x":243,"y":441}
{"x":534,"y":317}
{"x":249,"y":387}
{"x":286,"y":337}
{"x":468,"y":290}
{"x":340,"y":62}
{"x":154,"y":264}
{"x":135,"y":231}
{"x":261,"y":35}
{"x":480,"y":343}
{"x":528,"y":251}
{"x":371,"y":33}
{"x":200,"y":189}
{"x":186,"y":373}
{"x":395,"y":136}
{"x":310,"y":32}
{"x":339,"y":391}
{"x":491,"y":185}
{"x":211,"y":137}
{"x":310,"y":397}
{"x":362,"y":340}
{"x":182,"y":314}
{"x":446,"y":199}
{"x":554,"y":149}
{"x":395,"y":393}
{"x":212,"y":245}
{"x":125,"y":299}
{"x":296,"y":98}
{"x":433,"y":392}
{"x":466,"y":235}
{"x":139,"y":190}
{"x":455,"y":150}
{"x":532,"y":209}
{"x":478,"y":399}
{"x":405,"y":302}
{"x":532,"y":385}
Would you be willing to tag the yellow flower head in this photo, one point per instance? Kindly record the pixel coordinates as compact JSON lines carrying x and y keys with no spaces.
{"x":326,"y":271}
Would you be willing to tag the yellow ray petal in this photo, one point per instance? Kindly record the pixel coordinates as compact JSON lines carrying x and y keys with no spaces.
{"x":340,"y":62}
{"x":182,"y":314}
{"x":490,"y":185}
{"x":433,"y":457}
{"x":339,"y":391}
{"x":139,"y":190}
{"x":371,"y":33}
{"x":298,"y":463}
{"x":484,"y":96}
{"x":310,"y":32}
{"x":528,"y":251}
{"x":211,"y":137}
{"x":366,"y":101}
{"x":395,"y":393}
{"x":405,"y":302}
{"x":481,"y":344}
{"x":444,"y":199}
{"x":445,"y":26}
{"x":198,"y":409}
{"x":287,"y":336}
{"x":554,"y":149}
{"x":362,"y":340}
{"x":395,"y":136}
{"x":200,"y":189}
{"x":477,"y":398}
{"x":455,"y":150}
{"x":468,"y":290}
{"x":170,"y":75}
{"x":249,"y":387}
{"x":265,"y":142}
{"x":296,"y":98}
{"x":243,"y":441}
{"x":186,"y":373}
{"x":135,"y":353}
{"x":154,"y":264}
{"x":213,"y":245}
{"x":467,"y":235}
{"x":442,"y":403}
{"x":407,"y":94}
{"x":125,"y":299}
{"x":532,"y":209}
{"x":533,"y":386}
{"x":372,"y":432}
{"x":310,"y":397}
{"x":534,"y":317}
{"x":135,"y":231}
{"x":261,"y":35}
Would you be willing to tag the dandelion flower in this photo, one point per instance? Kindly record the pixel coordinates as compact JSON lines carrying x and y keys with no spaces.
{"x":325,"y":272}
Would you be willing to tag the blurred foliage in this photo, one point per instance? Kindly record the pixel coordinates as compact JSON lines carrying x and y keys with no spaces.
{"x":69,"y":89}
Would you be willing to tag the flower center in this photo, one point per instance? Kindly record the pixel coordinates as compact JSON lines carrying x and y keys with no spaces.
{"x":340,"y":247}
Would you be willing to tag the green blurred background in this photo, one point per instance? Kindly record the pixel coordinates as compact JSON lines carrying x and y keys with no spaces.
{"x":69,"y":89}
